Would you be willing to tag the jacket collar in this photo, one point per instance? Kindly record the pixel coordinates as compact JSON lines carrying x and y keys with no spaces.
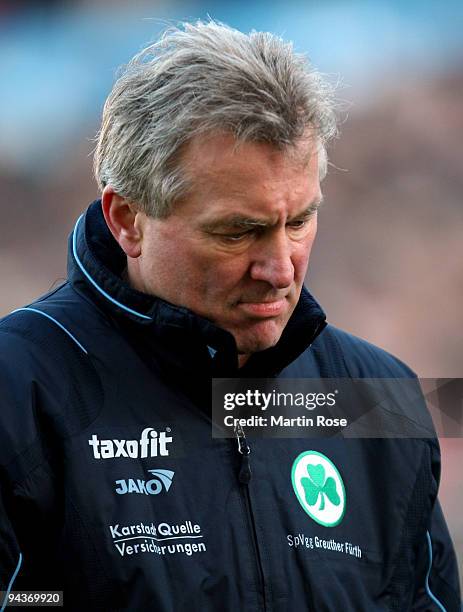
{"x":184,"y":339}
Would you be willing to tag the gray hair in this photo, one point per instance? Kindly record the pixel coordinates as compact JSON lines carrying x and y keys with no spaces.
{"x":198,"y":78}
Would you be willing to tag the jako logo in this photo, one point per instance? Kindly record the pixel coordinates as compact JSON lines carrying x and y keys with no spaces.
{"x":150,"y":445}
{"x":150,"y":487}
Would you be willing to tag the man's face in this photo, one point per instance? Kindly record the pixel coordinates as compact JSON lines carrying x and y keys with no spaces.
{"x":236,"y":249}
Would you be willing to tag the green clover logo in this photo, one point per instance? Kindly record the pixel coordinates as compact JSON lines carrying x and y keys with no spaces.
{"x":317,"y":485}
{"x":319,"y":488}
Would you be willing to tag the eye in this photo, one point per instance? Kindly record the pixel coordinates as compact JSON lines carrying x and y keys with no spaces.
{"x":237,"y":237}
{"x":298,"y":223}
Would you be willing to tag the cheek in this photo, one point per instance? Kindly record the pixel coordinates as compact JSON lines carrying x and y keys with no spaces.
{"x":301,"y":261}
{"x":165,"y":266}
{"x":223,"y":275}
{"x":300,"y":268}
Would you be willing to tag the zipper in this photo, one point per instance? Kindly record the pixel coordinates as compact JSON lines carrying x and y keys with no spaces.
{"x":244,"y":449}
{"x":244,"y":477}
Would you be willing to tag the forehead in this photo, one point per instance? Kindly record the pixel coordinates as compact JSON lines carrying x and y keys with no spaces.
{"x":249,"y":177}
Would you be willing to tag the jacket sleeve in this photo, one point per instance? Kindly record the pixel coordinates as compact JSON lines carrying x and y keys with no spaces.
{"x":437,"y":586}
{"x":437,"y":581}
{"x":10,"y":555}
{"x":21,"y":459}
{"x":14,"y":398}
{"x":16,"y":429}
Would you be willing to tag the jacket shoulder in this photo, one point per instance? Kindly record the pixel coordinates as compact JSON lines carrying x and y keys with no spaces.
{"x":46,"y":376}
{"x":38,"y":330}
{"x":360,"y":358}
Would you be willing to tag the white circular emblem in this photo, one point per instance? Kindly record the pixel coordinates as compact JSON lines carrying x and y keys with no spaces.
{"x":319,"y":488}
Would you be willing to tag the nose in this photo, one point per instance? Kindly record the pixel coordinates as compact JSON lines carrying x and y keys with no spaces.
{"x":271,"y":261}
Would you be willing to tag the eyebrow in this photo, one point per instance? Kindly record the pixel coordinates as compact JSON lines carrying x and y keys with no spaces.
{"x":237,"y":221}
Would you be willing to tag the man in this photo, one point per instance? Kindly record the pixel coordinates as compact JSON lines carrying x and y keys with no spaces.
{"x":191,"y":266}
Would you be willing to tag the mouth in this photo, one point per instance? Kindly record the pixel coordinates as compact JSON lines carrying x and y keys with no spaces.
{"x":263,"y":309}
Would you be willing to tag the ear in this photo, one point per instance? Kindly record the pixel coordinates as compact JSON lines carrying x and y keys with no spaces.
{"x":121,"y":217}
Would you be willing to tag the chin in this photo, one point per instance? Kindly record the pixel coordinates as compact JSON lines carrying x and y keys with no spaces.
{"x":256,"y":340}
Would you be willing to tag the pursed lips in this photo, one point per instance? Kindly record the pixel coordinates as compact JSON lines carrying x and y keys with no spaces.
{"x":263,"y":308}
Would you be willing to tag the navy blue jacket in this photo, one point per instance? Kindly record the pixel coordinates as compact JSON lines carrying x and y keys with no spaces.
{"x":113,"y":490}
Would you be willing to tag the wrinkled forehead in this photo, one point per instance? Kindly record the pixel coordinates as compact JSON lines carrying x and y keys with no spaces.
{"x":255,"y":180}
{"x":206,"y":157}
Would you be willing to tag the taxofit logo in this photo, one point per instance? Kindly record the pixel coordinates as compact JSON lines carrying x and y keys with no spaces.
{"x":163,"y":480}
{"x":150,"y":444}
{"x":319,"y":488}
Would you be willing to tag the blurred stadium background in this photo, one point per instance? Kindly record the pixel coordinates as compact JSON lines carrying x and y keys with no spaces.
{"x":388,"y":263}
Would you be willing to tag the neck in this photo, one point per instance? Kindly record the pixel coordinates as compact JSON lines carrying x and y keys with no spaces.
{"x":242,"y":359}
